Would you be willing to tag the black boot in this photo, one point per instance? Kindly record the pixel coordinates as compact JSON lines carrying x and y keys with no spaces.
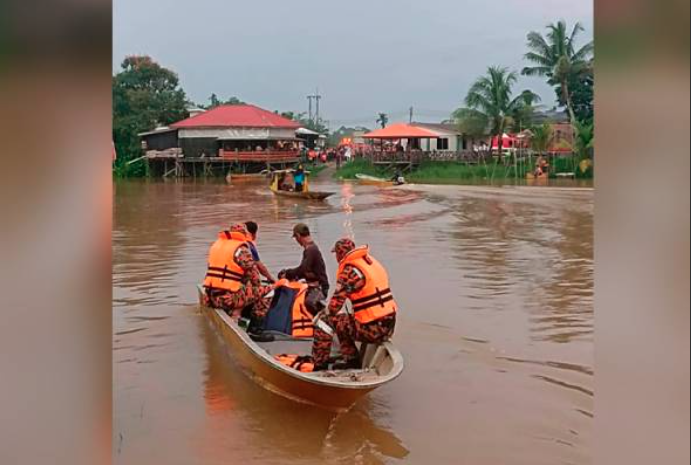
{"x":256,"y":331}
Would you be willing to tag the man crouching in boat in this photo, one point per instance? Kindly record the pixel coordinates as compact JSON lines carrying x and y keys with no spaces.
{"x":232,"y":280}
{"x":365,"y":282}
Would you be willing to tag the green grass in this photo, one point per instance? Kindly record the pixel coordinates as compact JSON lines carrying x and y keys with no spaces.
{"x":349,"y":170}
{"x":314,"y":170}
{"x":451,"y":172}
{"x":448,"y":171}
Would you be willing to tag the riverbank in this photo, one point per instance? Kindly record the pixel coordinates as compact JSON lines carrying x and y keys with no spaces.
{"x":457,"y":173}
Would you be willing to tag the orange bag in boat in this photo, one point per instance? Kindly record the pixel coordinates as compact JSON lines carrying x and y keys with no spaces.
{"x":304,"y":363}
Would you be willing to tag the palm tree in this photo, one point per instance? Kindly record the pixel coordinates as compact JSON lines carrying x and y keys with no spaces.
{"x":541,"y":137}
{"x":383,"y":120}
{"x":490,"y":104}
{"x":584,"y":139}
{"x":556,"y":57}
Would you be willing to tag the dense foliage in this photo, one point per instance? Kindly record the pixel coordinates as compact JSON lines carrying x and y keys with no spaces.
{"x":145,"y":95}
{"x":492,"y":107}
{"x":567,"y":67}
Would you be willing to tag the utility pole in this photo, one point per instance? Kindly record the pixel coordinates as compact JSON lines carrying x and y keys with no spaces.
{"x":309,"y":98}
{"x":314,"y":117}
{"x":411,"y":115}
{"x":317,"y":97}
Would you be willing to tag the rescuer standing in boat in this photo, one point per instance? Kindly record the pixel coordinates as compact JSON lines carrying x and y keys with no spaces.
{"x":365,"y":282}
{"x":232,"y":280}
{"x":253,"y":230}
{"x":312,"y":269}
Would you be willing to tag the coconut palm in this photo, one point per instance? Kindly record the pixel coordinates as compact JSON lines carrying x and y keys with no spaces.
{"x":383,"y":120}
{"x":584,"y":140}
{"x":556,"y":57}
{"x":490,"y":104}
{"x":541,"y":137}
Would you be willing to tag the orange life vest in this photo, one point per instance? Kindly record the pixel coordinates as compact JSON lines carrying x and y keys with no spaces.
{"x":374,"y":301}
{"x":223,"y":272}
{"x":304,"y":364}
{"x":302,"y":319}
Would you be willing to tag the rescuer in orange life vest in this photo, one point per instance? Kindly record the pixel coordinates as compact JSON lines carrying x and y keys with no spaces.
{"x":232,"y":280}
{"x":365,"y":282}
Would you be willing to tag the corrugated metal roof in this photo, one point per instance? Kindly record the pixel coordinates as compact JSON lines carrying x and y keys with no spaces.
{"x":237,"y":116}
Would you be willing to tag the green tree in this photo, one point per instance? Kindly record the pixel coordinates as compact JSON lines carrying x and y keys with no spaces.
{"x":214,"y":102}
{"x":290,"y":115}
{"x":145,"y":95}
{"x":541,"y":138}
{"x":490,"y":104}
{"x":557,"y":57}
{"x":383,"y":120}
{"x":582,"y":88}
{"x":584,"y":139}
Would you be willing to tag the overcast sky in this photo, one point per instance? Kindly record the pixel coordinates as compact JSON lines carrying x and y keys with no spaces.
{"x":365,"y":56}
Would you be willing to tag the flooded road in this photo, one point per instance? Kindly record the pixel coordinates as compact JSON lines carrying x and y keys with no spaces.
{"x":495,"y":288}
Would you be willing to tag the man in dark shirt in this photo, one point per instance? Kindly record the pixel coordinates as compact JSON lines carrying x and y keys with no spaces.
{"x":312,"y":269}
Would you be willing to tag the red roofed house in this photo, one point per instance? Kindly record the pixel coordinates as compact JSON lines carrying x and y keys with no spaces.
{"x":240,"y":134}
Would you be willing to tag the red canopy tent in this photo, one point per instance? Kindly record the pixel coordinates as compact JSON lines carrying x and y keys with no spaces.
{"x":508,"y":142}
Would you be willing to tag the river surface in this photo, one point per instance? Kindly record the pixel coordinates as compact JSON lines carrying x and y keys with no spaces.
{"x":495,"y":287}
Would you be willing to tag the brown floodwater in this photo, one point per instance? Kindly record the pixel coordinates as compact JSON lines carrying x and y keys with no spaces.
{"x":495,"y":287}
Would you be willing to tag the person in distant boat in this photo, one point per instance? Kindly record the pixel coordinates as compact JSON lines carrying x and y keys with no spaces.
{"x":365,"y":282}
{"x":299,"y":177}
{"x":542,"y":168}
{"x":284,"y":183}
{"x":398,"y":178}
{"x":253,"y":230}
{"x":232,"y":280}
{"x":312,"y":269}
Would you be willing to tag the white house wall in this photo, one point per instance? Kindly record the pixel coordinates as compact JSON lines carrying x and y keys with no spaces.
{"x":455,"y":143}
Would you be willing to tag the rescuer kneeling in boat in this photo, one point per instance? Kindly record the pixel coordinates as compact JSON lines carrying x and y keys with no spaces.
{"x":232,"y":280}
{"x":365,"y":282}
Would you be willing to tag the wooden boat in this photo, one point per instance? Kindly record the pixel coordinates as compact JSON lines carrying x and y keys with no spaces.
{"x":331,"y":390}
{"x":313,"y":195}
{"x":367,"y":179}
{"x":277,"y":179}
{"x":233,"y":177}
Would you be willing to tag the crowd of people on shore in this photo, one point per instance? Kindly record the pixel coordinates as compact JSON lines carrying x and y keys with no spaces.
{"x":324,"y":155}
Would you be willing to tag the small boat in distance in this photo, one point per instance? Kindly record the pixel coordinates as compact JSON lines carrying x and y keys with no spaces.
{"x":373,"y":180}
{"x":283,"y":185}
{"x":367,"y":179}
{"x":231,"y":177}
{"x":334,"y":390}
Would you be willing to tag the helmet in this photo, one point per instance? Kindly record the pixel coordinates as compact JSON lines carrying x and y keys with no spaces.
{"x":343,"y":247}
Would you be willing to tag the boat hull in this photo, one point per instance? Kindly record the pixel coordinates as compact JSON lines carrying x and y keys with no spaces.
{"x":372,"y":180}
{"x":304,"y":195}
{"x":330,"y":393}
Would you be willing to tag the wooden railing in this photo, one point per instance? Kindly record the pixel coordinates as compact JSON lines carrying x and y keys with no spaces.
{"x":267,"y":156}
{"x":168,"y":153}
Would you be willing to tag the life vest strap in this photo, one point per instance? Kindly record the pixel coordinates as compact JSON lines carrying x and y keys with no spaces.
{"x":225,"y":271}
{"x":223,"y":277}
{"x":375,"y":303}
{"x":374,"y":296}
